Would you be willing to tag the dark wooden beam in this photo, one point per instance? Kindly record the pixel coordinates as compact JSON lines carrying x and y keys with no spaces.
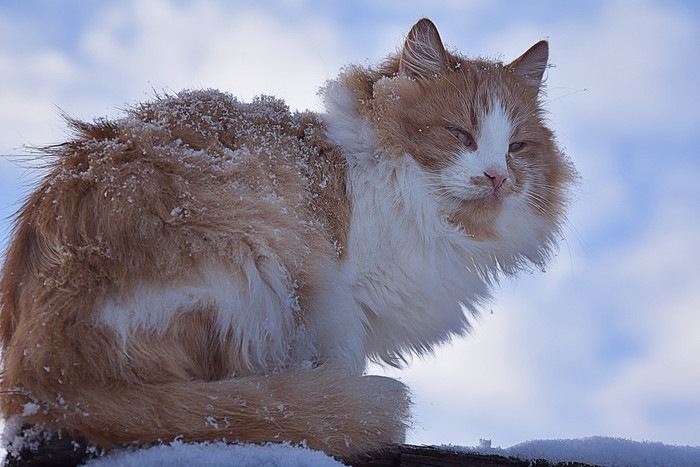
{"x":429,"y":456}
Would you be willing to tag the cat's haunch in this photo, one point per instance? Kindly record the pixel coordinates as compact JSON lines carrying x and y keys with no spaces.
{"x":206,"y":269}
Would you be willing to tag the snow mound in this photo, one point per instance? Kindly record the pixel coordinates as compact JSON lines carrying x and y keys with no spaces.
{"x":179,"y":454}
{"x":597,"y":450}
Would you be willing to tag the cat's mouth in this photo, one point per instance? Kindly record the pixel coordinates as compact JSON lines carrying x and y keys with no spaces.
{"x":478,"y":189}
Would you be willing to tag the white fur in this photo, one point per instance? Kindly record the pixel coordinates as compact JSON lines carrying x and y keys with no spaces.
{"x":256,"y":304}
{"x":496,"y":128}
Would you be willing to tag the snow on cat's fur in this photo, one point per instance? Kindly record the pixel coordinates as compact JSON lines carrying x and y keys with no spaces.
{"x":205,"y":269}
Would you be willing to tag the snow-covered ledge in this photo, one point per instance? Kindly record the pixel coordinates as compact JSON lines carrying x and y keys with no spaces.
{"x":595,"y":451}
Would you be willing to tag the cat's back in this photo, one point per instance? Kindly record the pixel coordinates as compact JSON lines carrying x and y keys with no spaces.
{"x":179,"y":184}
{"x":185,"y":146}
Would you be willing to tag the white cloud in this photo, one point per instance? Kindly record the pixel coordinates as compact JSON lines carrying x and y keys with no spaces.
{"x":658,"y":298}
{"x":29,"y":85}
{"x":203,"y":44}
{"x":638,"y":63}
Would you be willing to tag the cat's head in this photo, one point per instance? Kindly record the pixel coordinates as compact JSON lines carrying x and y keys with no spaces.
{"x":475,"y":127}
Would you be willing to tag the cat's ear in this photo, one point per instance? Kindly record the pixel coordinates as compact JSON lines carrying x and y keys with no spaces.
{"x":532,"y":64}
{"x":423,"y":54}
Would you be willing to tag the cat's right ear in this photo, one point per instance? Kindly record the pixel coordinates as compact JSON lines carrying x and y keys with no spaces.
{"x":531,"y":65}
{"x":423,"y":54}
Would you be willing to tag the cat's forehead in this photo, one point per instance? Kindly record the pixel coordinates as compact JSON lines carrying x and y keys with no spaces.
{"x":475,"y":87}
{"x":480,"y":86}
{"x":482,"y":75}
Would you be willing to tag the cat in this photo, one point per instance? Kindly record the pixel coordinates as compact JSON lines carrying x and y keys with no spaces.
{"x":207,"y":269}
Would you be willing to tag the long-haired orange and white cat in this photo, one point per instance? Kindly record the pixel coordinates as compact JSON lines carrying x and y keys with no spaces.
{"x":207,"y":269}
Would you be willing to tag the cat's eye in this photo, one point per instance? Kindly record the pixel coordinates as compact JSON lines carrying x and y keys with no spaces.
{"x":515,"y":147}
{"x":464,"y":137}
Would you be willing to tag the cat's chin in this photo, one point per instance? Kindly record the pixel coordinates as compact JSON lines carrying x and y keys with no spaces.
{"x":490,"y":198}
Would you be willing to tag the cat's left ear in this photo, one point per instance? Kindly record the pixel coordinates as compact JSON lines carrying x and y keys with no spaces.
{"x":531,"y":64}
{"x":423,"y":54}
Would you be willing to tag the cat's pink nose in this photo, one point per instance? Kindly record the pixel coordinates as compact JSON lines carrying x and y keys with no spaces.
{"x":497,"y":176}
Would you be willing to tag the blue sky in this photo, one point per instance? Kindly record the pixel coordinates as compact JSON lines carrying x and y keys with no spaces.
{"x":607,"y":341}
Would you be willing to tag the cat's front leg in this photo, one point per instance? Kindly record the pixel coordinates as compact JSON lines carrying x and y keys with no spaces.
{"x":336,"y":321}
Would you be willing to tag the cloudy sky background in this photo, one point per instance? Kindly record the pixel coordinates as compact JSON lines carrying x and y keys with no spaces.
{"x":607,"y":341}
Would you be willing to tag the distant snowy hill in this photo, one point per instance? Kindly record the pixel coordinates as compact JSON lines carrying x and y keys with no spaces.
{"x":598,"y":450}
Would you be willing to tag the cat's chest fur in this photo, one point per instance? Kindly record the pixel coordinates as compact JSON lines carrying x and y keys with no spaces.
{"x":408,"y":269}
